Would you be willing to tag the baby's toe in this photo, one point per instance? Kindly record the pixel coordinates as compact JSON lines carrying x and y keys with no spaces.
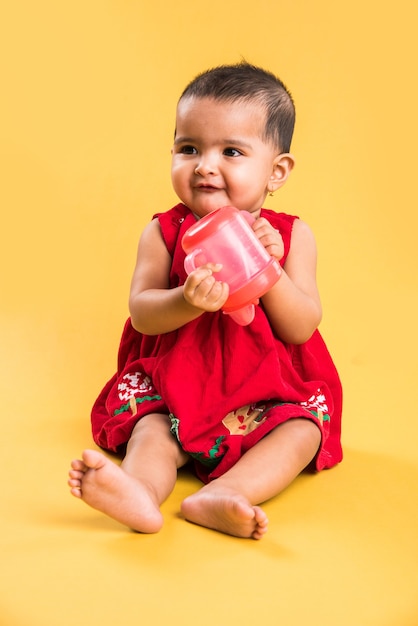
{"x":76,"y":475}
{"x":79,"y":465}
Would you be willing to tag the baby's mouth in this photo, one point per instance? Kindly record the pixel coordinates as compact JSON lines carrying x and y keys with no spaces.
{"x":207,"y":188}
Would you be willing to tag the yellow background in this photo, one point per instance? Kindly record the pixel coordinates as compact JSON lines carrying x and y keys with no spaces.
{"x":88,"y":93}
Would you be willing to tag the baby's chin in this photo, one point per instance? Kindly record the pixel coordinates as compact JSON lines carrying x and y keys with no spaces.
{"x":201,"y":211}
{"x":203,"y":203}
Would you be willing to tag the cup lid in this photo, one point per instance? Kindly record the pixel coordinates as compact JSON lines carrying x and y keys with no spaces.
{"x":207,"y":226}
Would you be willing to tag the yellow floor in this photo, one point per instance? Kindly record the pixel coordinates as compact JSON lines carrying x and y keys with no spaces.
{"x":342,"y":546}
{"x":88,"y":96}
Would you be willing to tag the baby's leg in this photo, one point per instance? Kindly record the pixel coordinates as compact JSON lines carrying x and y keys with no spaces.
{"x":132,"y":493}
{"x":228,"y":504}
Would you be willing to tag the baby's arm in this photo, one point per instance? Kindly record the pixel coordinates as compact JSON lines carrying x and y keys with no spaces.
{"x":293,"y":304}
{"x":154,"y":307}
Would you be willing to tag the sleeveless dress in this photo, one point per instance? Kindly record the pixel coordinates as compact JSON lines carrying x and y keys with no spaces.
{"x":223,"y":385}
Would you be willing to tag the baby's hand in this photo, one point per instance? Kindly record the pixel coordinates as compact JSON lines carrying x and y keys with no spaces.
{"x":203,"y":291}
{"x":269,"y":237}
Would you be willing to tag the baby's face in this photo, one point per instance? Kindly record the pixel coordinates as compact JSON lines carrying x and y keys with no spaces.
{"x":219,"y":157}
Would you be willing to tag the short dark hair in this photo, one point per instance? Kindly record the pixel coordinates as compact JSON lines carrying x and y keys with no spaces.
{"x":248,"y":83}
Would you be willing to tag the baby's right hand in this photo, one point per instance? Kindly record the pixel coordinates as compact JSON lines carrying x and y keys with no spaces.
{"x":203,"y":291}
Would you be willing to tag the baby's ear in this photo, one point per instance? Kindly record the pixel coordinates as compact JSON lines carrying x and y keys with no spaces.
{"x":282,"y":166}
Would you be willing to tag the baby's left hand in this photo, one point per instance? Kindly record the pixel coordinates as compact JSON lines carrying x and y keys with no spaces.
{"x":269,"y":237}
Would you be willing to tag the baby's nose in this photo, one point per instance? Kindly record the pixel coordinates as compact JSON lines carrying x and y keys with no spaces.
{"x":206,"y":166}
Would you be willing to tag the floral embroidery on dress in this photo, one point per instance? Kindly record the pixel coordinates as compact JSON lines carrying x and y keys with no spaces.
{"x":244,"y":420}
{"x":211,"y":457}
{"x":133,"y":383}
{"x":317,"y":405}
{"x":135,"y":387}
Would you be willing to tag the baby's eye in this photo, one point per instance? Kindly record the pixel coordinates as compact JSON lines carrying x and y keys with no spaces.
{"x":188,"y":150}
{"x":232,"y":152}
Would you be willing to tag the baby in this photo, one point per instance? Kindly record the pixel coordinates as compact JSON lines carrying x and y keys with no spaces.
{"x":249,"y":407}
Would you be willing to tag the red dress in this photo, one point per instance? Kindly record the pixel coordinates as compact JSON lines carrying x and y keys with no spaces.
{"x":224,"y":386}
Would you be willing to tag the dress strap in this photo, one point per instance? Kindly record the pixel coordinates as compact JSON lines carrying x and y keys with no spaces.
{"x":170,"y":223}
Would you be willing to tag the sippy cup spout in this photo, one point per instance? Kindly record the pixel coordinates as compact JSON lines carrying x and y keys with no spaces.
{"x":243,"y":316}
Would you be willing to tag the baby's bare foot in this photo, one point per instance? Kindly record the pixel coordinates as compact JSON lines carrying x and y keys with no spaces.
{"x":106,"y":487}
{"x":225,"y":510}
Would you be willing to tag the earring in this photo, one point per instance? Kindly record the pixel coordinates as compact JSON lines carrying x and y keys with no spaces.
{"x":271,"y":194}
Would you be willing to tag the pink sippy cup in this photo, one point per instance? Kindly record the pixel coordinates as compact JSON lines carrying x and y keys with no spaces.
{"x":225,"y":236}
